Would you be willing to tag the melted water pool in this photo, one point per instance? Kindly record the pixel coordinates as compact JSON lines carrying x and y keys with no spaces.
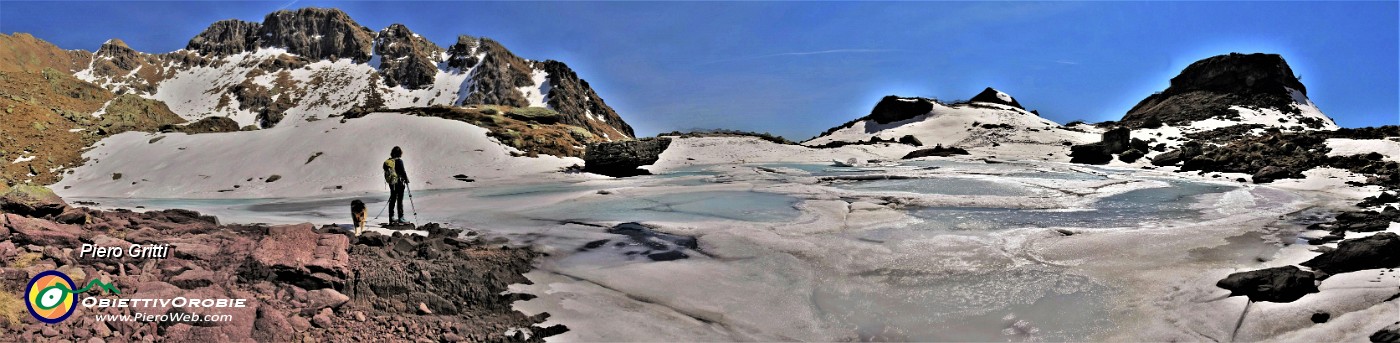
{"x":941,"y":185}
{"x":694,"y":206}
{"x":1129,"y":209}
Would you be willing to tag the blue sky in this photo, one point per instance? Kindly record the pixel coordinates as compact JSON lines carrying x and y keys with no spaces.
{"x":797,"y":68}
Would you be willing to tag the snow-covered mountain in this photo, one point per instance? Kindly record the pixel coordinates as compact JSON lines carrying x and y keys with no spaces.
{"x":992,"y":123}
{"x":311,"y":63}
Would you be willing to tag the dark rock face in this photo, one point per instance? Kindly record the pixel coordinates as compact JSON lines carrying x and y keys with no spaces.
{"x":894,"y":108}
{"x":575,"y":100}
{"x":1280,"y":285}
{"x":1092,"y":153}
{"x":122,"y":56}
{"x":621,"y":159}
{"x":405,"y":58}
{"x":937,"y":151}
{"x":461,"y":55}
{"x":317,"y":33}
{"x":1390,"y":334}
{"x":314,"y":33}
{"x":496,"y":77}
{"x":1113,"y":142}
{"x":990,"y":95}
{"x":226,"y":37}
{"x":1381,"y":250}
{"x":205,"y":125}
{"x":1207,"y":88}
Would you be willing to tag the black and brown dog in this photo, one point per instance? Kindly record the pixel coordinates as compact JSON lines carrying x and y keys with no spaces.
{"x":358,"y":214}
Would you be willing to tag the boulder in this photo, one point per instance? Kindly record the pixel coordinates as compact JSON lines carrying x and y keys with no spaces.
{"x":1169,"y":158}
{"x":74,"y":216}
{"x":32,"y":201}
{"x":1280,"y":284}
{"x":1117,"y":140}
{"x":271,"y":326}
{"x":323,"y":298}
{"x":1092,"y":153}
{"x":1130,"y":156}
{"x":296,"y":254}
{"x":24,"y":230}
{"x":1381,"y":250}
{"x":1269,"y":174}
{"x":910,"y":140}
{"x":622,"y":159}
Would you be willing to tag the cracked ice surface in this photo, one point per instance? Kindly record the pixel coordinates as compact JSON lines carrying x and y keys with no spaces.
{"x":931,"y":250}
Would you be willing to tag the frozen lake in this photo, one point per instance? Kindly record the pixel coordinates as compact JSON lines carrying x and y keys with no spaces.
{"x":937,"y":250}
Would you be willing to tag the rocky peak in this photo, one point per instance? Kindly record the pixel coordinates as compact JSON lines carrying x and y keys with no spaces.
{"x":994,"y":96}
{"x":579,"y":104}
{"x":1214,"y":87}
{"x":120,"y":54}
{"x":406,"y":58}
{"x":496,"y":79}
{"x":462,"y":55}
{"x":1237,"y":73}
{"x":317,"y":33}
{"x":226,"y":37}
{"x":893,"y":108}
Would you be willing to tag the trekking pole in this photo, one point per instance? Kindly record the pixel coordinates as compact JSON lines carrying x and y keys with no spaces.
{"x":410,"y":202}
{"x":386,"y":203}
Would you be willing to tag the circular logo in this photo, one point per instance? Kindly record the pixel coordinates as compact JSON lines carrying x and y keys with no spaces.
{"x":50,"y":297}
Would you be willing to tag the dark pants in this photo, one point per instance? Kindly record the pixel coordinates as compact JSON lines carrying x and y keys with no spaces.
{"x":396,"y":198}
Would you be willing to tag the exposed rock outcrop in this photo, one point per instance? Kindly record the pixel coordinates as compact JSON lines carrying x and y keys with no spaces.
{"x":445,"y":287}
{"x":990,"y":95}
{"x":1280,"y":285}
{"x":572,"y":97}
{"x":1381,"y":250}
{"x":462,"y":55}
{"x":621,"y":159}
{"x":496,"y":79}
{"x":895,"y":108}
{"x":936,"y":151}
{"x":1115,"y":141}
{"x":317,"y":33}
{"x":226,"y":37}
{"x":1207,"y":88}
{"x":406,"y":59}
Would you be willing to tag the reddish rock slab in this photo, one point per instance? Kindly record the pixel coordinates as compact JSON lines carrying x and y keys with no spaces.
{"x":41,"y":232}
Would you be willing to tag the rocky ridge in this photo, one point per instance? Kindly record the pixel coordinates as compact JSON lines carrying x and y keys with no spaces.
{"x":294,"y":66}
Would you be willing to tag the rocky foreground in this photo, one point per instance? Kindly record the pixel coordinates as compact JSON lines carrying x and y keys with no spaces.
{"x":301,"y":283}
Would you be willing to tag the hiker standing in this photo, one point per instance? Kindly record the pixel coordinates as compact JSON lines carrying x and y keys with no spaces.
{"x":397,"y":179}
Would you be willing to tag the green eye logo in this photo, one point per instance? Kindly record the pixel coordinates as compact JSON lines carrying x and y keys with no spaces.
{"x":50,"y":296}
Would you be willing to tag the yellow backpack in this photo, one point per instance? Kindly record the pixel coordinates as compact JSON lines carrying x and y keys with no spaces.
{"x":391,"y":173}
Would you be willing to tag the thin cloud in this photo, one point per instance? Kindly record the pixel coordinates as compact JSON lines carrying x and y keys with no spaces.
{"x":804,"y":53}
{"x":1067,"y":62}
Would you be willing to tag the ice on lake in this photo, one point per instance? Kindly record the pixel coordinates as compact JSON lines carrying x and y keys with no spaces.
{"x":784,"y":256}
